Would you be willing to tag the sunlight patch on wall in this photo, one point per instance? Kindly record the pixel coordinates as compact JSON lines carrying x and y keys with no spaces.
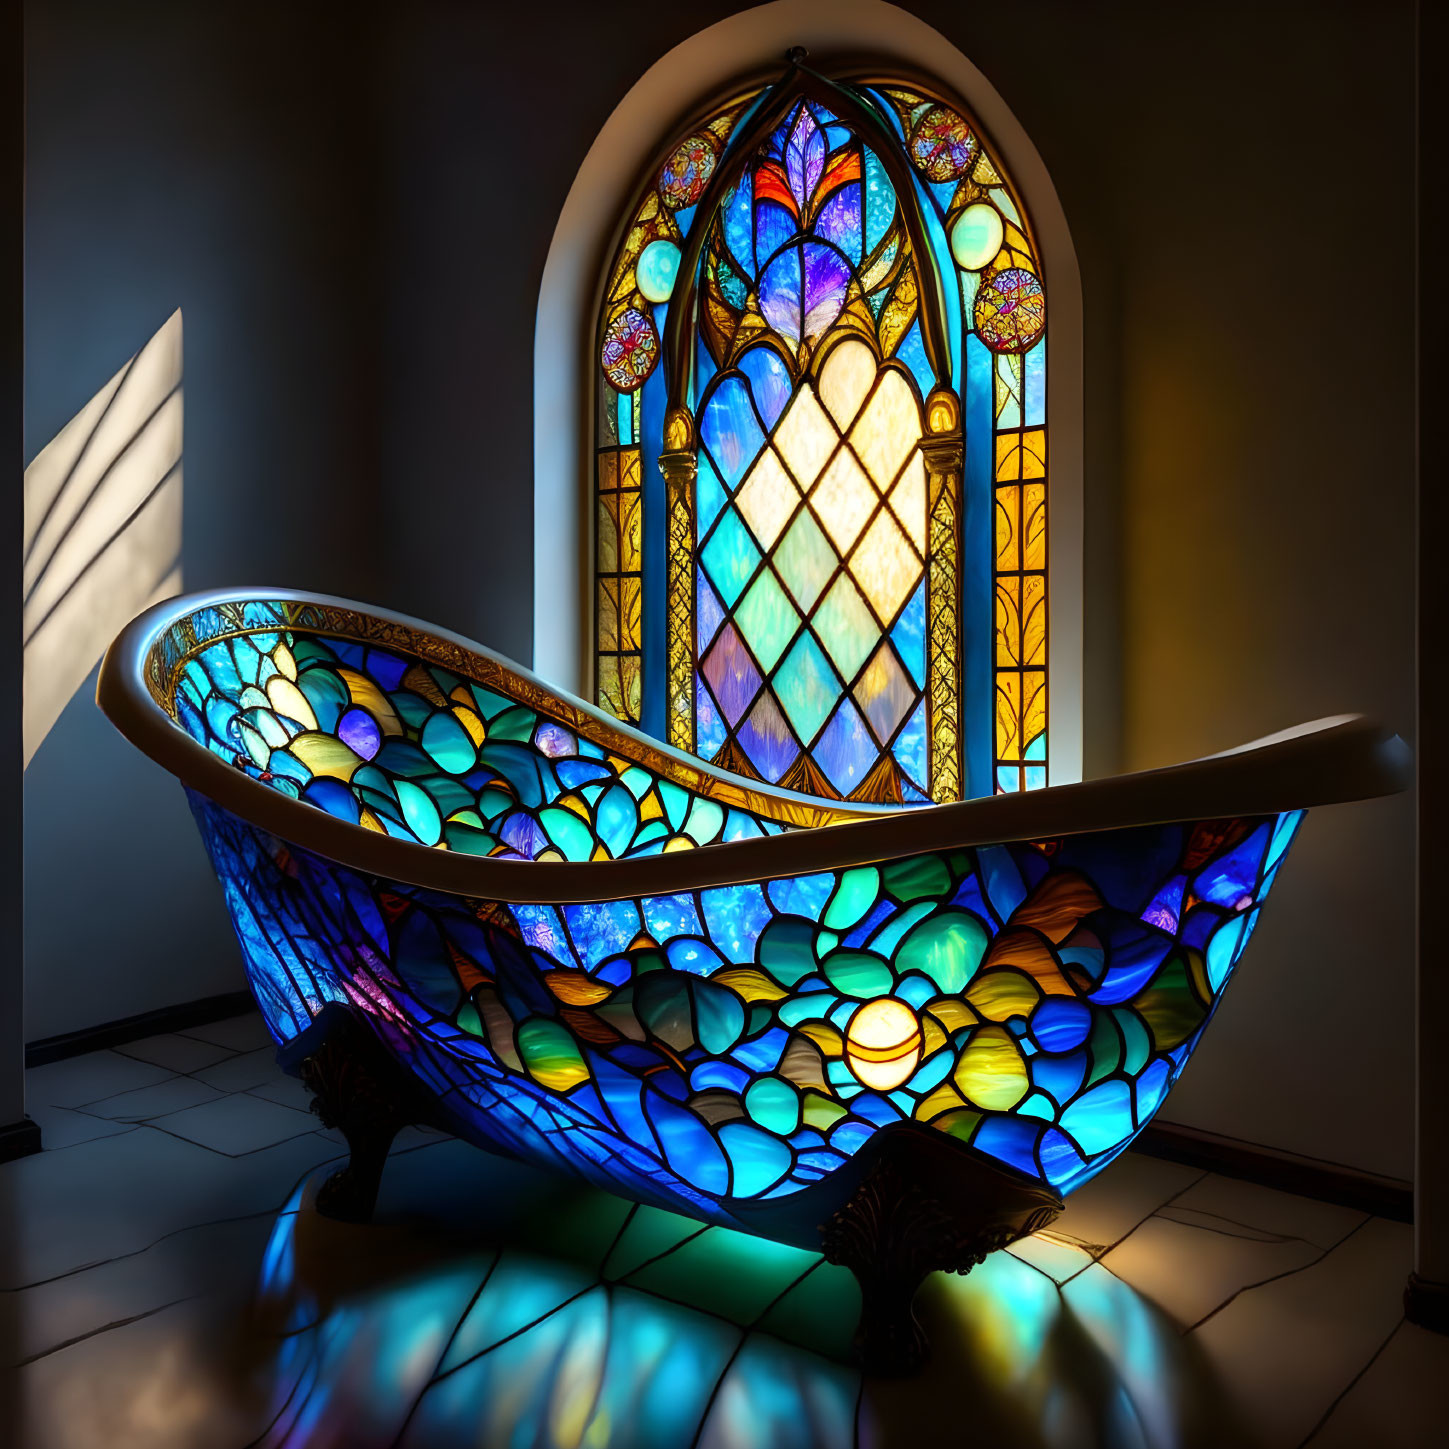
{"x":102,"y":526}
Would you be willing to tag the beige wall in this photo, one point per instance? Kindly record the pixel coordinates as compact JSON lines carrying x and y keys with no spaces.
{"x":1266,"y":525}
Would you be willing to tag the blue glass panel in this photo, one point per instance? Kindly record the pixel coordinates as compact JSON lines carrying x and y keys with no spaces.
{"x":1100,"y":1118}
{"x":731,"y":557}
{"x":910,"y":746}
{"x":738,"y":235}
{"x":1036,"y":385}
{"x":730,"y":430}
{"x":710,"y":732}
{"x":709,"y":496}
{"x":769,"y":381}
{"x":845,"y":751}
{"x":912,"y":352}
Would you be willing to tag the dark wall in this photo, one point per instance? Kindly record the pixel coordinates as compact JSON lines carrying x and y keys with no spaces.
{"x":355,"y":220}
{"x":225,"y":161}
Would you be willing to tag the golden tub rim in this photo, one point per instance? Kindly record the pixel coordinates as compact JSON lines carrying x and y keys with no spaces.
{"x":1322,"y":762}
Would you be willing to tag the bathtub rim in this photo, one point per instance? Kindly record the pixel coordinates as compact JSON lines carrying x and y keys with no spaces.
{"x":1327,"y":761}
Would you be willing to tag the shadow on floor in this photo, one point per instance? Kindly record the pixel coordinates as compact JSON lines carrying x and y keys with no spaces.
{"x":491,"y":1304}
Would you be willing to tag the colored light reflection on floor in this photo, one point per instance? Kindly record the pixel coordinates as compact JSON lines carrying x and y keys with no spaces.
{"x":571,"y":1318}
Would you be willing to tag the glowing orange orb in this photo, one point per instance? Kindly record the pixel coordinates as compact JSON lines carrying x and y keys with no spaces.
{"x":883,"y":1043}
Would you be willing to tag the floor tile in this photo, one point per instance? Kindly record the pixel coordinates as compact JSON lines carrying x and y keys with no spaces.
{"x":239,"y":1033}
{"x":1111,"y":1205}
{"x":86,"y":1204}
{"x":1190,"y":1270}
{"x":242,"y":1073}
{"x":1250,"y":1205}
{"x":1389,"y":1407}
{"x":156,"y":1383}
{"x":90,"y":1078}
{"x":1051,"y":1255}
{"x":237,"y":1124}
{"x":179,"y":1053}
{"x":61,"y":1127}
{"x":154,"y":1101}
{"x":289,"y":1091}
{"x":211,"y":1258}
{"x":1161,"y":1392}
{"x":1287,"y":1349}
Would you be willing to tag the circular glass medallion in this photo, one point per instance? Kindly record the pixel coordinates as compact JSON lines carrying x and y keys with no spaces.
{"x":942,"y":146}
{"x":631,"y":348}
{"x":883,"y":1043}
{"x":976,"y":236}
{"x":686,"y":173}
{"x":656,"y":270}
{"x":1010,"y":309}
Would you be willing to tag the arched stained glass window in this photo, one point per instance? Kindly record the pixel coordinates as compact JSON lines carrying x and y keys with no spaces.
{"x":822,"y":454}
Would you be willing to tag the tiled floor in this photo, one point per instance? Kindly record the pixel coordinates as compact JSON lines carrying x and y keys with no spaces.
{"x":164,"y":1282}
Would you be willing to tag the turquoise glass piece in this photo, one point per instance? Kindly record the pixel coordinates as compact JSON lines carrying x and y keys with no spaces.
{"x":657,"y":269}
{"x":730,"y":557}
{"x":807,"y":687}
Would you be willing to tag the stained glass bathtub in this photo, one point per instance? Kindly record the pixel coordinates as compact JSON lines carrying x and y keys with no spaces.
{"x":695,"y":991}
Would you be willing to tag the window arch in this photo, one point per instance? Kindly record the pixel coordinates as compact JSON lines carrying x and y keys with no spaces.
{"x":821,"y":448}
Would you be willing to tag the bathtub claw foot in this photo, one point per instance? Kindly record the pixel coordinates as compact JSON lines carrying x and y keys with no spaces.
{"x":357,"y":1089}
{"x":924,"y":1204}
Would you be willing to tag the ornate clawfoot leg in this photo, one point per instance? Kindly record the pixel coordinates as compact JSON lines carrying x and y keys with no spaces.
{"x":359,"y":1090}
{"x":924,"y":1203}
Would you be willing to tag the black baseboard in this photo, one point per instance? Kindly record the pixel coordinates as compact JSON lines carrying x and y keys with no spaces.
{"x":1385,"y":1197}
{"x":133,"y":1028}
{"x":19,"y":1139}
{"x":1427,"y":1304}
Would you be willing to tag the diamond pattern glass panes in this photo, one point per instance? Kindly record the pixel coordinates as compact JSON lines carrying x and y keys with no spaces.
{"x":768,"y":498}
{"x":805,"y":559}
{"x":886,"y":565}
{"x":844,"y":499}
{"x":767,"y":619}
{"x":807,"y":687}
{"x":843,"y":624}
{"x":813,"y":328}
{"x":729,"y":557}
{"x":815,"y":559}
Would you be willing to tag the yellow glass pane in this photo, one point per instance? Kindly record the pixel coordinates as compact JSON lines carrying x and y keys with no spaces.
{"x":629,"y":477}
{"x":629,"y":614}
{"x":843,"y":499}
{"x":1034,"y":525}
{"x":1008,"y":622}
{"x":372,"y":699}
{"x":1007,"y":393}
{"x":908,"y":499}
{"x":1033,"y":453}
{"x":1033,"y":620}
{"x":1008,"y":505}
{"x":287,"y":699}
{"x":845,"y":380}
{"x":1008,"y":457}
{"x":768,"y":498}
{"x":806,"y":437}
{"x":608,"y":550}
{"x":885,"y":567}
{"x":629,"y":686}
{"x":608,"y":613}
{"x":1016,"y":240}
{"x":325,"y":755}
{"x":1033,"y":714}
{"x":1008,"y":716}
{"x":888,"y":429}
{"x":630,"y":520}
{"x":608,"y":470}
{"x":608,"y":686}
